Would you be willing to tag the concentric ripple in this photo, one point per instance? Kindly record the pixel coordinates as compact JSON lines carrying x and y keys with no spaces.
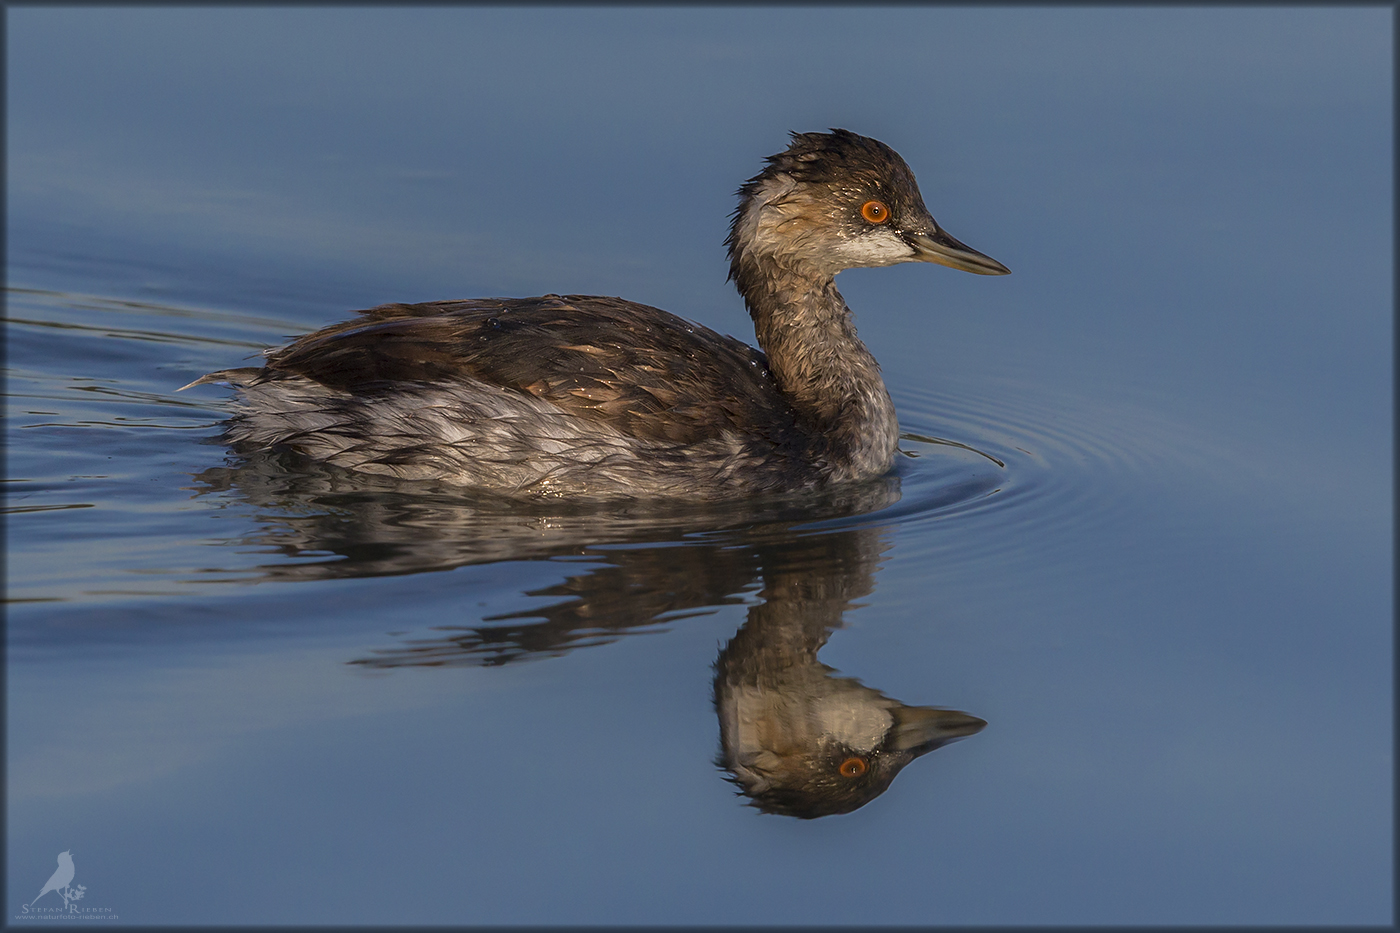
{"x":1010,"y":455}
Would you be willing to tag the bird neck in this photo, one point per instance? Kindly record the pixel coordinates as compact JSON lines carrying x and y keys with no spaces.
{"x":821,"y":366}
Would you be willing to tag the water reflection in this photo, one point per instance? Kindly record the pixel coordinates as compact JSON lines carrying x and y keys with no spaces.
{"x":340,"y":524}
{"x":795,"y":737}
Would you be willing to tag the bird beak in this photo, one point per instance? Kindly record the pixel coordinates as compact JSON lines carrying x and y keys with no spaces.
{"x":920,"y":729}
{"x":946,"y":251}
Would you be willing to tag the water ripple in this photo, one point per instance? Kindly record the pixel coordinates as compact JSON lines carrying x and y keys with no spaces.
{"x":1070,"y":464}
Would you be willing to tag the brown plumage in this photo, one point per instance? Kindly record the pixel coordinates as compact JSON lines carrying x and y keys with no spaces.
{"x":590,"y":396}
{"x":607,"y":360}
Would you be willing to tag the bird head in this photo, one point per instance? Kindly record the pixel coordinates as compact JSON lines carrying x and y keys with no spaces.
{"x":818,"y":755}
{"x":836,"y":201}
{"x":798,"y":739}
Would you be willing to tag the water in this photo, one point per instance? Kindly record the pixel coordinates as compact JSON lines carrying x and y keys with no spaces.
{"x":1143,"y":530}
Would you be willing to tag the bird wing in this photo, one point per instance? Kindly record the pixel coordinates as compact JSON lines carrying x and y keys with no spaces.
{"x":643,"y":371}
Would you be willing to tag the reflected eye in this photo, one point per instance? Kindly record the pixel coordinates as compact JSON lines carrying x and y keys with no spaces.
{"x":875,"y":211}
{"x":852,"y":767}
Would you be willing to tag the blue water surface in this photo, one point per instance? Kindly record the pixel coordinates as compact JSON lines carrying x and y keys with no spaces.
{"x":1144,"y":527}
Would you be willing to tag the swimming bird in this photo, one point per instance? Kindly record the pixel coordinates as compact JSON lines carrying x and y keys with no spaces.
{"x":61,"y":878}
{"x":593,"y":397}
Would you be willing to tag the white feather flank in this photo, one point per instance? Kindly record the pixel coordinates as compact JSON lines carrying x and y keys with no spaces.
{"x":480,"y":435}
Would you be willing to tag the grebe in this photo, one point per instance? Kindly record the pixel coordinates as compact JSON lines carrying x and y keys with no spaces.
{"x":584,"y":396}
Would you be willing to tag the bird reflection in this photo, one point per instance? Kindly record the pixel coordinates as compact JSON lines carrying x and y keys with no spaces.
{"x":795,"y":737}
{"x":338,"y":524}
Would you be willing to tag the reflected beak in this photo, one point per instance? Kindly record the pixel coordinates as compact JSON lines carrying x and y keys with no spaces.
{"x":946,"y":251}
{"x":920,"y":730}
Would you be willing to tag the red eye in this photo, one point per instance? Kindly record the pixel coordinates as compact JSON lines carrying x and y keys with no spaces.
{"x":875,"y":211}
{"x":852,"y":767}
